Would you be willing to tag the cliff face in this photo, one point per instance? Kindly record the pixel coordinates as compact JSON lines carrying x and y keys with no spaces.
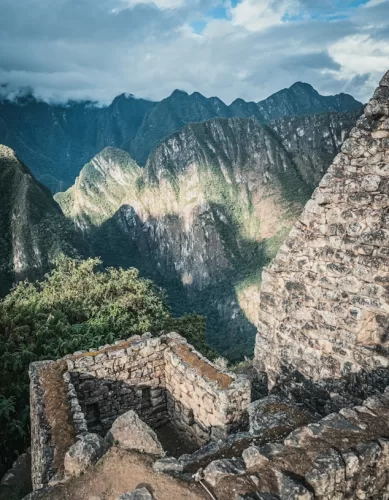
{"x":57,"y":140}
{"x":207,"y":212}
{"x":314,"y":140}
{"x":33,"y":231}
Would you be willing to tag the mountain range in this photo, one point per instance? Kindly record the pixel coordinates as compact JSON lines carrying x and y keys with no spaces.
{"x":57,"y":140}
{"x":196,"y":194}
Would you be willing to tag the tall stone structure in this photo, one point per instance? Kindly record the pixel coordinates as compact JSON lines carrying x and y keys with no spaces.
{"x":324,"y":314}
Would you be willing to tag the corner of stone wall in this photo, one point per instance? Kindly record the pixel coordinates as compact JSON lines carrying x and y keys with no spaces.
{"x":52,"y":426}
{"x":203,"y":401}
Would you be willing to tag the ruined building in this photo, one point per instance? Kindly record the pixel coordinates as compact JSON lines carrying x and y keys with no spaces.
{"x":322,"y":347}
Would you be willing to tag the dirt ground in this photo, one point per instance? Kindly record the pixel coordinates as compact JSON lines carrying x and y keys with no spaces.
{"x":119,"y":472}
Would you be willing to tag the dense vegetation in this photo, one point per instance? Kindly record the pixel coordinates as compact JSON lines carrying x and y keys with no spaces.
{"x":78,"y":305}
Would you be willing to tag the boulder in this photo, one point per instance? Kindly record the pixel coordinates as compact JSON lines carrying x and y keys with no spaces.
{"x":131,"y":433}
{"x":289,"y":489}
{"x":219,"y":469}
{"x":168,"y":464}
{"x":253,"y":458}
{"x":276,"y":416}
{"x":84,"y":453}
{"x":138,"y":494}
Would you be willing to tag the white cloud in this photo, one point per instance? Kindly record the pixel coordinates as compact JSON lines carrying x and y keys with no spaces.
{"x":360,"y":55}
{"x":84,"y":51}
{"x":256,"y":15}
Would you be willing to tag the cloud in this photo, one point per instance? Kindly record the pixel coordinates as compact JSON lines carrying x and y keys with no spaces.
{"x":256,"y":15}
{"x":88,"y":49}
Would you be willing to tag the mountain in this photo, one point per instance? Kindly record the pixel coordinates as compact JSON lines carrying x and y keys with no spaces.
{"x":57,"y":140}
{"x":33,"y":230}
{"x":313,"y":141}
{"x":303,"y":99}
{"x":171,"y":114}
{"x":206,"y":213}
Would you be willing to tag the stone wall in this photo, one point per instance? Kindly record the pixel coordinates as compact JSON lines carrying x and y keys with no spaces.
{"x":163,"y":379}
{"x":203,"y":402}
{"x":324,"y":313}
{"x":52,"y":428}
{"x":110,"y":381}
{"x":344,"y":455}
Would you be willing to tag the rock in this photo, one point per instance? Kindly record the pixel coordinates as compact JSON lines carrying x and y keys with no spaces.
{"x":131,"y":433}
{"x":168,"y":464}
{"x":289,"y":489}
{"x":138,"y":494}
{"x":16,"y":483}
{"x":276,"y":414}
{"x":253,"y":457}
{"x":327,"y":475}
{"x":84,"y":453}
{"x":219,"y":469}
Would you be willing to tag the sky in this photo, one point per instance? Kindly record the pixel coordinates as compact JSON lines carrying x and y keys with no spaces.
{"x":97,"y":49}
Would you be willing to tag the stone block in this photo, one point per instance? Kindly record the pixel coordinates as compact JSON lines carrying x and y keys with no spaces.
{"x":83,"y":454}
{"x":220,"y":469}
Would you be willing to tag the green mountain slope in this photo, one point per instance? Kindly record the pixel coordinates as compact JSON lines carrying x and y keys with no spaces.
{"x":202,"y":218}
{"x":33,"y":231}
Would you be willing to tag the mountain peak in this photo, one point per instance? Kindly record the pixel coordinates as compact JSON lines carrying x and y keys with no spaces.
{"x":303,"y":86}
{"x":179,"y":93}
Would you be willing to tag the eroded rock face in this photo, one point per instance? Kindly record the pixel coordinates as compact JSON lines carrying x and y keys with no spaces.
{"x":253,"y":457}
{"x":83,"y":454}
{"x":131,"y":433}
{"x":220,"y":469}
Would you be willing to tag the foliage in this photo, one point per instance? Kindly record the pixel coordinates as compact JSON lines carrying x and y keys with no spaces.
{"x":77,"y":306}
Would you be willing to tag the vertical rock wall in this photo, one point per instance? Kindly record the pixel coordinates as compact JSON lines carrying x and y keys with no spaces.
{"x":324,"y":314}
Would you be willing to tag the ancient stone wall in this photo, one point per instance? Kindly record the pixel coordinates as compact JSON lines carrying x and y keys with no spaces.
{"x":203,"y":402}
{"x":324,"y":313}
{"x":163,"y":379}
{"x":110,"y":381}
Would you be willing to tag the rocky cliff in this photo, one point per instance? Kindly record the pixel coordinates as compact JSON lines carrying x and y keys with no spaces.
{"x":314,"y":140}
{"x":33,"y":231}
{"x":207,"y":213}
{"x":56,"y":140}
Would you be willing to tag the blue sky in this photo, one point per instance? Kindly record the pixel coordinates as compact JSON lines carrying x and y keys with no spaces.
{"x":89,"y":49}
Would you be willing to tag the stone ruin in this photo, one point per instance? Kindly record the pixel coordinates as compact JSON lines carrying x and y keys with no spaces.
{"x":322,"y":348}
{"x":163,"y":379}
